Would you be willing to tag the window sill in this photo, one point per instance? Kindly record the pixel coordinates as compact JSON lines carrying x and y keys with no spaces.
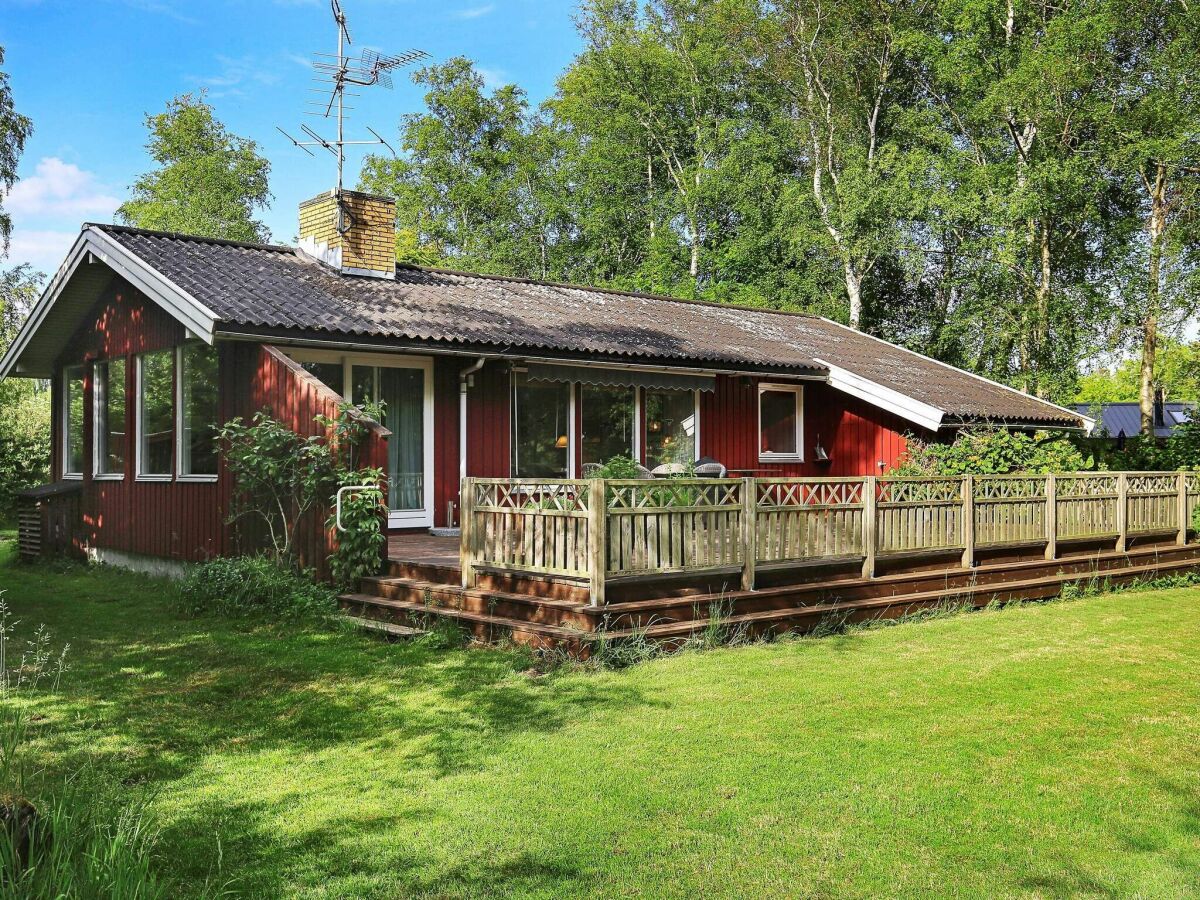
{"x":197,"y":479}
{"x":155,"y":478}
{"x":781,"y":458}
{"x":108,"y":476}
{"x":72,"y":476}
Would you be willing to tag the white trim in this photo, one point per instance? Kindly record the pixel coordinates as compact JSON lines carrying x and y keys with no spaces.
{"x":140,"y":417}
{"x":766,"y":456}
{"x":573,"y":426}
{"x":1089,"y":422}
{"x":92,"y":242}
{"x":638,"y":425}
{"x":66,"y":421}
{"x":99,"y":402}
{"x":180,"y":475}
{"x":886,"y":398}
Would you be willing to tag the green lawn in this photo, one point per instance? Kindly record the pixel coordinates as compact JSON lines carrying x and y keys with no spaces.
{"x":1041,"y":751}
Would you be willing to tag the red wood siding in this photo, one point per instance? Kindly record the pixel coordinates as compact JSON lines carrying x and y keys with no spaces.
{"x":856,"y":435}
{"x":177,"y":521}
{"x":488,"y":406}
{"x":445,"y":439}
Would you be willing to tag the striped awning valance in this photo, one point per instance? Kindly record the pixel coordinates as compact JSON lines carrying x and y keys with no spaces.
{"x":670,"y":381}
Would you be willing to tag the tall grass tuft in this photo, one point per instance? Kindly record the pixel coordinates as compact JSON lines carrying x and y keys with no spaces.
{"x":73,"y":838}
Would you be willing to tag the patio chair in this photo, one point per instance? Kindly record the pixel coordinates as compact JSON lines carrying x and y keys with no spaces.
{"x":707,"y":467}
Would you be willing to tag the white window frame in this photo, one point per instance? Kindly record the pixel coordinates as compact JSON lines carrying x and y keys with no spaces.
{"x":766,"y":456}
{"x":66,"y":421}
{"x":179,"y":473}
{"x":140,"y":415}
{"x":397,"y":518}
{"x":99,"y":400}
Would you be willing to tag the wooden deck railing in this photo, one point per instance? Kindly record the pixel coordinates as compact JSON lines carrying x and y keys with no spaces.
{"x":600,"y":530}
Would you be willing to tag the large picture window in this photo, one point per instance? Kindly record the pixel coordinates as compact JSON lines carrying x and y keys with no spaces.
{"x":606,"y":422}
{"x":670,"y":427}
{"x":111,"y":418}
{"x":197,"y":410}
{"x":155,"y":414}
{"x":780,"y":422}
{"x":73,"y":422}
{"x":541,"y":427}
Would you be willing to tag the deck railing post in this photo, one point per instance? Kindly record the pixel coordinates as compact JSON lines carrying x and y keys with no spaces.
{"x":749,"y":531}
{"x":869,"y":524}
{"x":1181,"y":505}
{"x":597,"y":539}
{"x":466,"y":525}
{"x":1122,"y":511}
{"x":1051,"y":517}
{"x":968,"y":521}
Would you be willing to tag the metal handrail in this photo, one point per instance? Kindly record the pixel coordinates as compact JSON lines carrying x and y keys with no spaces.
{"x":338,"y":500}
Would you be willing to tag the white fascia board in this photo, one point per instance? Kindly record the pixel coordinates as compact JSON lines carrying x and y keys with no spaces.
{"x":44,"y":303}
{"x":964,"y":372}
{"x":886,"y":398}
{"x":193,"y":314}
{"x":198,"y":319}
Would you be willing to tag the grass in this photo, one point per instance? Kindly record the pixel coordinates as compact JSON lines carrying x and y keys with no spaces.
{"x":1034,"y":751}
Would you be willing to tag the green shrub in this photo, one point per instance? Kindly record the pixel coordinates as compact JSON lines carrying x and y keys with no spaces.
{"x":243,"y":585}
{"x":617,"y":467}
{"x":992,"y":451}
{"x":24,"y":442}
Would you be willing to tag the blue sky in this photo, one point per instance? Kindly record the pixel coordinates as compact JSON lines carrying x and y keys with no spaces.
{"x":88,"y":72}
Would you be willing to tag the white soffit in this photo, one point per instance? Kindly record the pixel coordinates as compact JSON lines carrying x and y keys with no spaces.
{"x":928,"y":417}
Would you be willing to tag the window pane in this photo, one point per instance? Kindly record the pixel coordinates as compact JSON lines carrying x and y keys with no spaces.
{"x":73,"y":458}
{"x":199,"y":385}
{"x":331,"y":374}
{"x":110,"y":417}
{"x":606,"y":423}
{"x":156,"y":425}
{"x":670,"y":427}
{"x":403,"y":394}
{"x":778,"y":413}
{"x":541,"y":421}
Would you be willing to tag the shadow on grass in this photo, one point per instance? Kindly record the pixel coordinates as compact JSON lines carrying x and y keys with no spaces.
{"x":154,"y":698}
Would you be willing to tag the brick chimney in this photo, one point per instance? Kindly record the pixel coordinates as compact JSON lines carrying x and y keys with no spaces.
{"x":356,"y":236}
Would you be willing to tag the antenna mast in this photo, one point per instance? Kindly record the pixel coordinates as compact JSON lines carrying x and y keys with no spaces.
{"x":369,"y":69}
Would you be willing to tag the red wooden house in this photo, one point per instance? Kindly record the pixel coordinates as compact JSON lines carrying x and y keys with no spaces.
{"x":153,"y":339}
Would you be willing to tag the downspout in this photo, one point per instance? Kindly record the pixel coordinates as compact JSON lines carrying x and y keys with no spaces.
{"x":465,"y":378}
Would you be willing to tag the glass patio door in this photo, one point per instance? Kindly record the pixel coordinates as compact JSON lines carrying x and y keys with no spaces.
{"x":405,"y":393}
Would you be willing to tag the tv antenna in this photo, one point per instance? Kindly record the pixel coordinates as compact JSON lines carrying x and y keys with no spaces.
{"x":337,"y":71}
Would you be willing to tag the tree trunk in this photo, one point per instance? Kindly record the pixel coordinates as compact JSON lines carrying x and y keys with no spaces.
{"x":854,"y":295}
{"x":1155,"y":228}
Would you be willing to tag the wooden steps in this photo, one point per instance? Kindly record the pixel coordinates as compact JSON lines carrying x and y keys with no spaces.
{"x":549,"y":621}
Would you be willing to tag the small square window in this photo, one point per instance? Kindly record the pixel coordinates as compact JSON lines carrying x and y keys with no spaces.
{"x":780,"y":423}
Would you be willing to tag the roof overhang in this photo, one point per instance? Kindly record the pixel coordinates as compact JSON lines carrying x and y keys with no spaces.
{"x":886,"y":398}
{"x":61,"y":307}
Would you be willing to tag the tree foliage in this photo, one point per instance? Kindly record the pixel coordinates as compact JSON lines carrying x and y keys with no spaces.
{"x":973,"y":178}
{"x":15,"y":130}
{"x":208,"y":182}
{"x":24,"y":404}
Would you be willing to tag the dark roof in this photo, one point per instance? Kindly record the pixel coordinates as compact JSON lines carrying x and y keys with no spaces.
{"x":262,"y":287}
{"x":1114,"y":419}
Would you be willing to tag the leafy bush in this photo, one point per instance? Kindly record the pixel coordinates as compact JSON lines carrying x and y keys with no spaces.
{"x":1181,"y":450}
{"x":244,"y":585}
{"x":24,"y":441}
{"x":281,"y":479}
{"x":992,"y":451}
{"x":617,"y":467}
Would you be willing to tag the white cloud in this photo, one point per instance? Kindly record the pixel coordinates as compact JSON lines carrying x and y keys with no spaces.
{"x":60,"y":188}
{"x":474,"y":12}
{"x":493,"y":78}
{"x":234,"y":74}
{"x":44,"y":250}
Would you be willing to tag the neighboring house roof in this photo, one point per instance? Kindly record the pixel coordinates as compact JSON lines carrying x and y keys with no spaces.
{"x":1114,"y":419}
{"x":278,"y":292}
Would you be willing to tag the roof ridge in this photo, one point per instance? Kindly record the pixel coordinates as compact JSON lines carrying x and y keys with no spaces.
{"x":183,"y":236}
{"x":618,"y":292}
